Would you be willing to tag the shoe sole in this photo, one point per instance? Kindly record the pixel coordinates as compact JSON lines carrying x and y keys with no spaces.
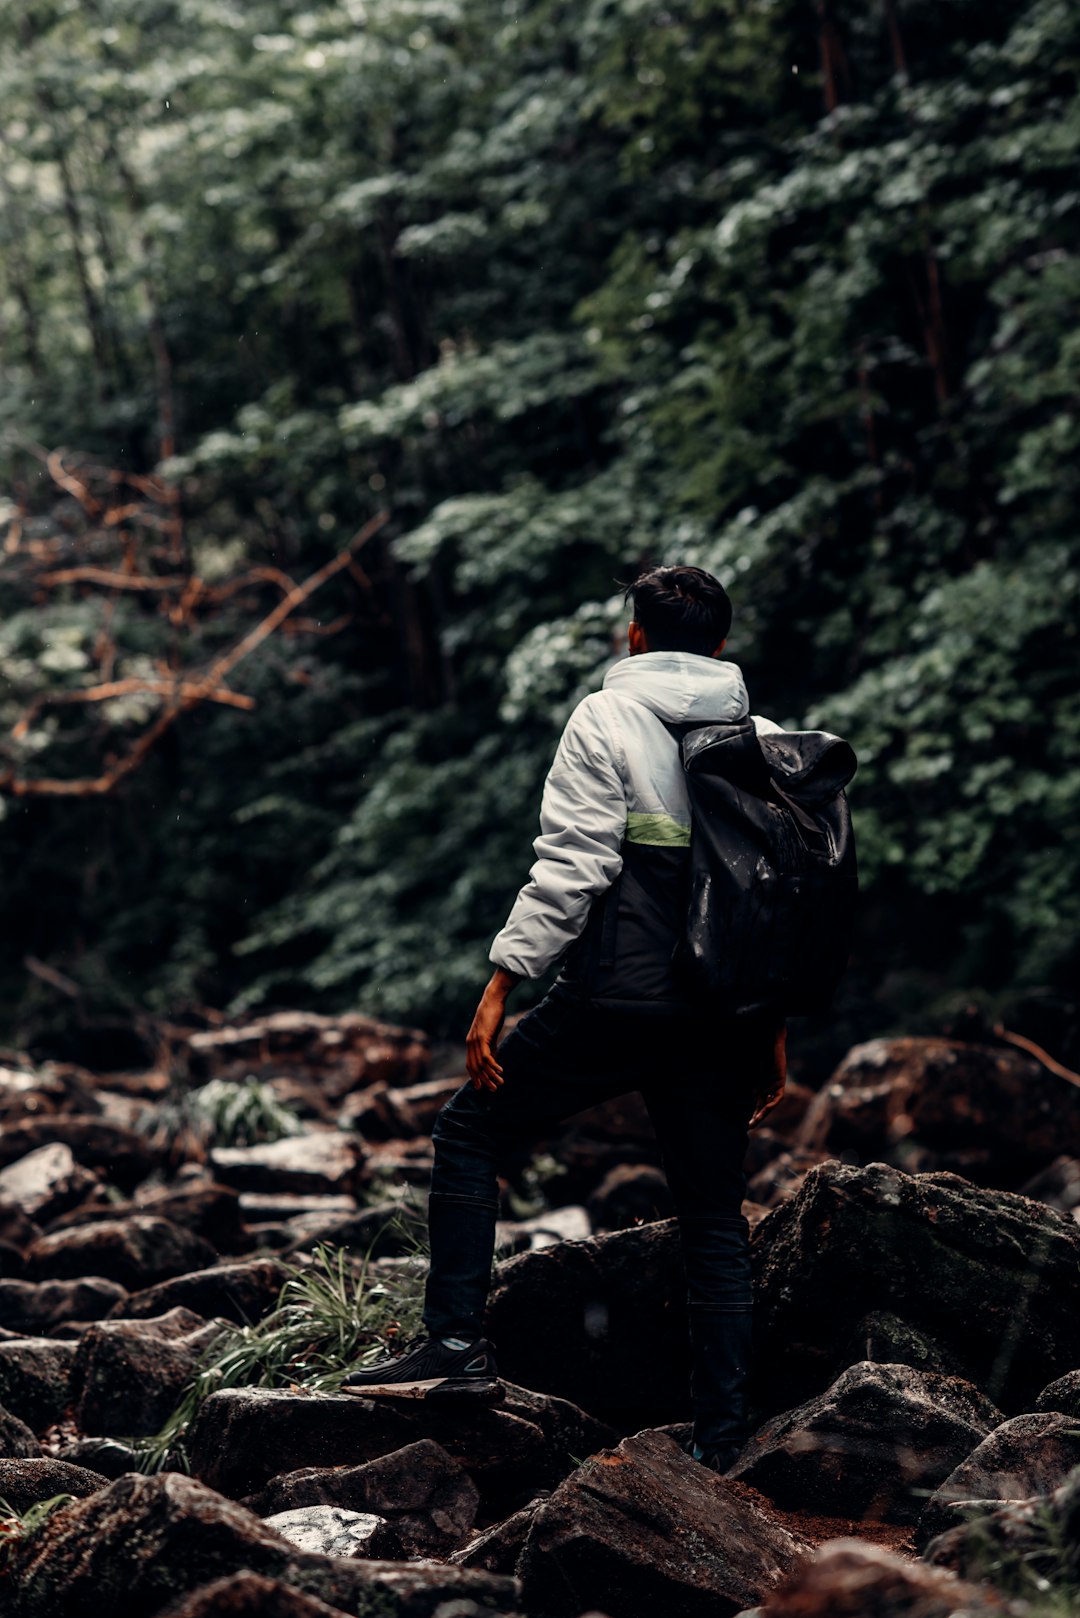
{"x":442,"y":1386}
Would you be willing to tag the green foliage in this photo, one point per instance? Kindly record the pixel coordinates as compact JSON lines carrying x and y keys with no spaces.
{"x":330,"y":1318}
{"x":222,"y":1112}
{"x":17,"y":1526}
{"x":566,"y":290}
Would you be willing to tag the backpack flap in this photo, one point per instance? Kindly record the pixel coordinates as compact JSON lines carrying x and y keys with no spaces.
{"x":773,"y":873}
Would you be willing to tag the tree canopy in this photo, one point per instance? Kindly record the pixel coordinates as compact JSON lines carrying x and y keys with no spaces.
{"x":785,"y":290}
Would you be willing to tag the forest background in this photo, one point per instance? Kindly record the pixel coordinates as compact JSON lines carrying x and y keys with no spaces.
{"x":352,"y":353}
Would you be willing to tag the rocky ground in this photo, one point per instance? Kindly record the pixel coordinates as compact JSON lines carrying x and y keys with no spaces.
{"x":916,"y":1399}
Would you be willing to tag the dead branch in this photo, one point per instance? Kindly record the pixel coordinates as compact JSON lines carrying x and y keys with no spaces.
{"x":185,"y":694}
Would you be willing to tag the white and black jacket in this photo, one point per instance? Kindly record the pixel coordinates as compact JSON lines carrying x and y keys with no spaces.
{"x":607,"y":894}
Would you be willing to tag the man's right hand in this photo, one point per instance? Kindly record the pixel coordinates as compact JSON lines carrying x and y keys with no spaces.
{"x":769,"y":1089}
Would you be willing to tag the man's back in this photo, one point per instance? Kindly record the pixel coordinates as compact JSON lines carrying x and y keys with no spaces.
{"x":607,"y":892}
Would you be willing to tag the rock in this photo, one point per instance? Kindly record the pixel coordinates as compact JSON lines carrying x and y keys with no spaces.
{"x":1062,"y":1394}
{"x":379,"y":1113}
{"x":642,"y":1529}
{"x":242,"y":1437}
{"x":24,"y":1482}
{"x":241,"y":1292}
{"x":137,"y":1252}
{"x":16,"y":1438}
{"x":37,"y":1307}
{"x":317,"y":1163}
{"x":426,"y":1100}
{"x":848,"y":1578}
{"x":427,"y":1497}
{"x":383,"y":1230}
{"x":341,"y":1053}
{"x":400,"y":1162}
{"x":129,"y":1374}
{"x":208,"y":1210}
{"x":122,"y":1155}
{"x":992,"y":1277}
{"x":584,"y":1148}
{"x":499,"y":1547}
{"x":17,"y":1229}
{"x":27,"y":1093}
{"x":143,"y":1542}
{"x":782,"y":1176}
{"x":1031,"y":1454}
{"x":271,"y":1207}
{"x":1058,"y":1184}
{"x":630,"y":1194}
{"x":107,"y":1456}
{"x":35,"y":1373}
{"x":47,"y":1182}
{"x":597,"y":1296}
{"x":333,"y":1531}
{"x":870,"y":1445}
{"x":1022,"y":1541}
{"x":987,"y":1111}
{"x":884,"y":1337}
{"x":249,"y":1595}
{"x":567,"y":1224}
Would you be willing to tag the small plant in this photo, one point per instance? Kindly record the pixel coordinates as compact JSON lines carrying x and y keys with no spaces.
{"x":223,"y":1112}
{"x":17,"y":1526}
{"x":330,"y":1316}
{"x":1040,"y":1568}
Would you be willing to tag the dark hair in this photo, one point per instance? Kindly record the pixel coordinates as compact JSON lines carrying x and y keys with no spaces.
{"x":681,"y":609}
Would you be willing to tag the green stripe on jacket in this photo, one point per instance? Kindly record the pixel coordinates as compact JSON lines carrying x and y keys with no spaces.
{"x":662,"y":831}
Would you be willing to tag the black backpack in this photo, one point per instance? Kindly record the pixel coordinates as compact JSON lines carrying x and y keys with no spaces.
{"x":773,"y":880}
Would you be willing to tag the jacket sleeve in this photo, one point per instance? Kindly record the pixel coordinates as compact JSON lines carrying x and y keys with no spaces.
{"x":582,"y":824}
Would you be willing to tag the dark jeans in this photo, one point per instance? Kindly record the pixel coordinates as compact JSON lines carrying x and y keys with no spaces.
{"x":695,"y":1074}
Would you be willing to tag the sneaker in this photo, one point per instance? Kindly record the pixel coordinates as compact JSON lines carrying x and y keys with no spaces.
{"x":433,"y":1366}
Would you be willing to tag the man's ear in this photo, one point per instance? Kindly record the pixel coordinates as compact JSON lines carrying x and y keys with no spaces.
{"x":635,"y":637}
{"x":719,"y":649}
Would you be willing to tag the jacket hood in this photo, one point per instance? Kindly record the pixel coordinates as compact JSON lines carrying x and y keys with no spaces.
{"x":681,"y":687}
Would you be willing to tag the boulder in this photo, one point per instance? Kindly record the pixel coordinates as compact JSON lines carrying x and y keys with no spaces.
{"x":249,"y":1595}
{"x":333,"y":1531}
{"x":35,"y":1376}
{"x":47,"y":1182}
{"x":1024,"y":1543}
{"x":986,"y":1111}
{"x":241,"y":1292}
{"x":561,"y":1319}
{"x":242,"y":1437}
{"x":848,"y":1578}
{"x":870,"y":1445}
{"x":321,"y":1162}
{"x":641,"y":1529}
{"x":279,"y":1207}
{"x":1028,"y":1455}
{"x":137,"y":1252}
{"x":630,"y":1194}
{"x":383,"y":1230}
{"x":340,"y":1053}
{"x":584,"y":1148}
{"x":992,"y":1277}
{"x":566,"y":1224}
{"x":379,"y":1113}
{"x":1058,"y":1184}
{"x":141,"y":1543}
{"x":45,"y":1091}
{"x":423,"y":1493}
{"x":23,"y":1482}
{"x":208,"y":1210}
{"x":499,"y":1547}
{"x":108,"y":1456}
{"x":129,"y":1374}
{"x":38,"y":1307}
{"x":17,"y":1229}
{"x":1062,"y":1394}
{"x":16,"y":1438}
{"x":123,"y":1155}
{"x":782,"y":1175}
{"x":884,"y":1337}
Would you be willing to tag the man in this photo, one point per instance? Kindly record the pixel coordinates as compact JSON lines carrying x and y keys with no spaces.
{"x":607,"y":896}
